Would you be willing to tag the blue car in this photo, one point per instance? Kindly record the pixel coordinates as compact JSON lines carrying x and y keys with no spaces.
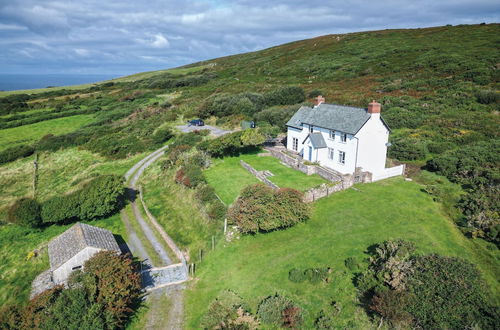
{"x":196,"y":122}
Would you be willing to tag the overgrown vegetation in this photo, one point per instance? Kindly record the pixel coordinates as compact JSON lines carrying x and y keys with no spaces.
{"x":260,"y":208}
{"x":429,"y":291}
{"x":101,"y":297}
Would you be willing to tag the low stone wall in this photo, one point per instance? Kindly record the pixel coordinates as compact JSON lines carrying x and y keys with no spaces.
{"x":322,"y":191}
{"x":260,"y":175}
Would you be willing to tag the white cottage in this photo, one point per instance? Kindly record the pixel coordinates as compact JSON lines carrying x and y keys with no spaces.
{"x":342,"y":138}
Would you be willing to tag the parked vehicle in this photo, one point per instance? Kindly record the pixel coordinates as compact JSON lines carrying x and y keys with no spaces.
{"x":196,"y":122}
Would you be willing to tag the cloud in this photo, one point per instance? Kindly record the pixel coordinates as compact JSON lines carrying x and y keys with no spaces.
{"x":160,"y":41}
{"x":122,"y":37}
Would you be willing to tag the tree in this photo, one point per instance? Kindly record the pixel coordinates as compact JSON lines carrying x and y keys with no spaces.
{"x":25,"y":212}
{"x":252,"y":137}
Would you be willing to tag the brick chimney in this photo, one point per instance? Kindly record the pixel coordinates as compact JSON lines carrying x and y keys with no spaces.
{"x":320,"y":99}
{"x":374,"y":107}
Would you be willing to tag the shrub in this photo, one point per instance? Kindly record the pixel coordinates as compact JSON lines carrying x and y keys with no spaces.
{"x":407,"y":149}
{"x":217,"y":210}
{"x":314,"y":93}
{"x":252,"y":137}
{"x":190,"y":176}
{"x":296,"y":275}
{"x":326,"y":318}
{"x":98,"y":198}
{"x":10,"y":317}
{"x":25,"y":212}
{"x":188,"y":139}
{"x":260,"y":208}
{"x":316,"y":275}
{"x":117,"y":283}
{"x":205,"y":193}
{"x":162,"y":135}
{"x":173,"y":154}
{"x":276,"y":116}
{"x":352,"y":264}
{"x":228,"y":311}
{"x":13,"y":153}
{"x":488,"y":97}
{"x":229,"y":144}
{"x":285,"y":96}
{"x":279,"y":311}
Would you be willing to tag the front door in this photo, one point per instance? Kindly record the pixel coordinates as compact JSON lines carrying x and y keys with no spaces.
{"x":310,"y":153}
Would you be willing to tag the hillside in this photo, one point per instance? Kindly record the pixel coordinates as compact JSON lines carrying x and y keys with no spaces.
{"x":439,"y":89}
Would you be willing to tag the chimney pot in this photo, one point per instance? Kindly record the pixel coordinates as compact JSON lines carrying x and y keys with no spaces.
{"x":320,"y":99}
{"x":374,"y":107}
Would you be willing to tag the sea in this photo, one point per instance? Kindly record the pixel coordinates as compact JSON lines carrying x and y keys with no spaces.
{"x":11,"y":82}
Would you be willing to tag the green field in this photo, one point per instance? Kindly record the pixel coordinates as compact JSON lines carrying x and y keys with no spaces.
{"x":11,"y":137}
{"x":59,"y":172}
{"x":342,"y":225}
{"x":16,"y":272}
{"x":228,"y":177}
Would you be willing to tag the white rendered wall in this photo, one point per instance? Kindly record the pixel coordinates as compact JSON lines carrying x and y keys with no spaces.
{"x":60,"y":275}
{"x":296,"y":133}
{"x":372,"y":150}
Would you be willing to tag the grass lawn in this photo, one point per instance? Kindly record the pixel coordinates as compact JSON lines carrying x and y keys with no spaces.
{"x":11,"y":137}
{"x":16,"y":272}
{"x":59,"y":172}
{"x":342,"y":225}
{"x":178,"y":211}
{"x":228,"y":177}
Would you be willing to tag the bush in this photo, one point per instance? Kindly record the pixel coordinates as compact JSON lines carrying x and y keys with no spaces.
{"x":188,"y":139}
{"x":352,"y":264}
{"x":162,"y":135}
{"x":229,"y":144}
{"x":316,"y":275}
{"x":205,"y":193}
{"x":217,"y":210}
{"x":285,"y":96}
{"x":488,"y":97}
{"x":228,"y":311}
{"x":13,"y":153}
{"x":260,"y":208}
{"x":115,"y":282}
{"x":276,"y":116}
{"x":407,"y":149}
{"x":314,"y":93}
{"x":101,"y":197}
{"x":296,"y":275}
{"x":431,"y":292}
{"x":190,"y":176}
{"x":25,"y":212}
{"x":279,"y":311}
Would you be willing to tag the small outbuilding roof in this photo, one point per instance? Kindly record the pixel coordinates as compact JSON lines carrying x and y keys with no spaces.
{"x":331,"y":116}
{"x":317,"y":140}
{"x":75,"y":239}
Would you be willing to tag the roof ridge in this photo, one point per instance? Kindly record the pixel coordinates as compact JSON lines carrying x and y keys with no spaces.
{"x":343,"y":105}
{"x":83,"y":233}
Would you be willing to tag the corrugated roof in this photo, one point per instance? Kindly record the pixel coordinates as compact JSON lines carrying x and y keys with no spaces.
{"x":317,"y":140}
{"x":331,"y":116}
{"x":68,"y":244}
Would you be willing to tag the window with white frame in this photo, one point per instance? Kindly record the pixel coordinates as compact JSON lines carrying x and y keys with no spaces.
{"x":341,"y":157}
{"x":311,"y":128}
{"x":295,"y":144}
{"x":331,"y":135}
{"x":330,"y":153}
{"x":343,"y":137}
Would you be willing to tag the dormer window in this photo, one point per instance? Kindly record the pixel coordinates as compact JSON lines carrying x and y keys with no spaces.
{"x":311,"y":128}
{"x":332,"y":135}
{"x":343,"y":137}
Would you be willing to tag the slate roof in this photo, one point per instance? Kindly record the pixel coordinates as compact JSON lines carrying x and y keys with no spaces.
{"x":68,"y":244}
{"x":331,"y":116}
{"x":317,"y":140}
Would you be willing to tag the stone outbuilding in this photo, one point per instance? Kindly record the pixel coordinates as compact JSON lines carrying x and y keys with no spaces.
{"x":69,"y":251}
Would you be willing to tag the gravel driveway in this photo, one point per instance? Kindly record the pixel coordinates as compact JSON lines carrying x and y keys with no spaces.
{"x":214,"y":130}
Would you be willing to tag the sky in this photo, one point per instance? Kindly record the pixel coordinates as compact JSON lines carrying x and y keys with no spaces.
{"x":123,"y":37}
